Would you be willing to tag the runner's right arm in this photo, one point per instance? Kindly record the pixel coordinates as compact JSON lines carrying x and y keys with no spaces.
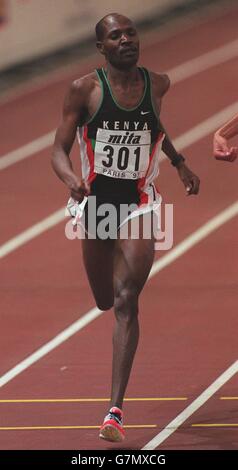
{"x":74,"y":110}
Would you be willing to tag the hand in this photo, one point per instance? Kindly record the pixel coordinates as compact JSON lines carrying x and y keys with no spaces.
{"x":221,"y":150}
{"x":189,"y":179}
{"x":79,"y":190}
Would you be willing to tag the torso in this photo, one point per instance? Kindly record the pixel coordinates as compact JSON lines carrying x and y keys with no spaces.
{"x":119,"y":138}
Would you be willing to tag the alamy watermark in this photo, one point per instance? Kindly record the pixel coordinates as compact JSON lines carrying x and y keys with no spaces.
{"x":124,"y":221}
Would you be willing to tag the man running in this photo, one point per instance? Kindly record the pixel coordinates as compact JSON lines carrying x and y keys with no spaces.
{"x":116,"y":112}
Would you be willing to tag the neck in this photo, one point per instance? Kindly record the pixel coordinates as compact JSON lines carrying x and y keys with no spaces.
{"x":122,"y":76}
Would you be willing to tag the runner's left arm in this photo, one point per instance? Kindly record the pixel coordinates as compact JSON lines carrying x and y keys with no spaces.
{"x":160,"y":85}
{"x":189,"y":179}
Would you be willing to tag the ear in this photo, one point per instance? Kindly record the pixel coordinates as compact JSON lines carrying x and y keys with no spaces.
{"x":100,"y":47}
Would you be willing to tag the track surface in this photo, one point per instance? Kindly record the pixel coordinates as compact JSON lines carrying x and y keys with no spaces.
{"x":188,"y":311}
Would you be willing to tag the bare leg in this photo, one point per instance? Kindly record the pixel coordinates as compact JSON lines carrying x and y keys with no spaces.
{"x":133,"y":261}
{"x":98,"y":260}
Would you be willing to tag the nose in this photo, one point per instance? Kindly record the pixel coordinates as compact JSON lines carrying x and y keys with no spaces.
{"x":125,"y":38}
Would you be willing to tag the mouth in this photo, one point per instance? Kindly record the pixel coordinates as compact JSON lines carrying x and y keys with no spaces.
{"x":128,"y":51}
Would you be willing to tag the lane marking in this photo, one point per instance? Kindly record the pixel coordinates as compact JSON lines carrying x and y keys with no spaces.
{"x":51,"y":345}
{"x":86,"y":400}
{"x":45,"y":428}
{"x":27,"y":150}
{"x":177,"y":74}
{"x":194,"y":238}
{"x":204,"y":62}
{"x":190,"y":409}
{"x":32,"y":232}
{"x":204,"y":128}
{"x":215,"y":425}
{"x":190,"y":137}
{"x":228,"y":398}
{"x":176,"y":252}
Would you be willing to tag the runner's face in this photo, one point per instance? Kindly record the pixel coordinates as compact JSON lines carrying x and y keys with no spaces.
{"x":120,"y":44}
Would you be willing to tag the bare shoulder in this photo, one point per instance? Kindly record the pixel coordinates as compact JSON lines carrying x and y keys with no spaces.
{"x":84,"y":84}
{"x":80,"y":90}
{"x":160,"y":83}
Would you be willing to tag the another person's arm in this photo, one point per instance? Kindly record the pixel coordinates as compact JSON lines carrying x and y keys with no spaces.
{"x":73,"y":112}
{"x":221,"y":149}
{"x":191,"y":182}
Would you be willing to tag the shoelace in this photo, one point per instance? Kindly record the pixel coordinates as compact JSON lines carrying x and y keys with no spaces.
{"x":114,"y":416}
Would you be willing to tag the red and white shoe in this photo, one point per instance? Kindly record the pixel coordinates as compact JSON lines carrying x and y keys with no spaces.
{"x":112,"y":427}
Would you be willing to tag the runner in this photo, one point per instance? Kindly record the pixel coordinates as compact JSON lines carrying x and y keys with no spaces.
{"x":115,"y":110}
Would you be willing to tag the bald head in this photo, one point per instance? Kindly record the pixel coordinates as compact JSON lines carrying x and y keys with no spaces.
{"x":107,"y":20}
{"x":118,"y":41}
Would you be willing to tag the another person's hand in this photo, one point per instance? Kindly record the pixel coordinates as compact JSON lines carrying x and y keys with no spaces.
{"x":189,"y":179}
{"x":221,"y":150}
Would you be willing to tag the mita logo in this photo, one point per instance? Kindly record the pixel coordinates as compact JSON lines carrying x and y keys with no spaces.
{"x":127,"y":138}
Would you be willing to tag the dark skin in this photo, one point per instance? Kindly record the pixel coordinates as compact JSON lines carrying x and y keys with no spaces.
{"x":117,"y":269}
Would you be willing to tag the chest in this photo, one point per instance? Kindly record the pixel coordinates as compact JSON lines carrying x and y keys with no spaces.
{"x":123,"y":97}
{"x":128,"y":97}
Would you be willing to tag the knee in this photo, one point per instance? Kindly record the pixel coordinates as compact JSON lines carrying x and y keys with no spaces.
{"x":126,"y":302}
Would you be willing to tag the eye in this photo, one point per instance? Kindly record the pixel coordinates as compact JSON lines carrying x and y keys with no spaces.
{"x":114,"y":35}
{"x":131,"y":32}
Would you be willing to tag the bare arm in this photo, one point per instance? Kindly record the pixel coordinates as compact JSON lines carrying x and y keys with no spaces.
{"x":74,"y":110}
{"x":160,"y":85}
{"x":230,"y":128}
{"x":221,"y":150}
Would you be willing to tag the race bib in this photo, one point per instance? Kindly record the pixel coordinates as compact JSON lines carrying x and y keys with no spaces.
{"x":122,"y":154}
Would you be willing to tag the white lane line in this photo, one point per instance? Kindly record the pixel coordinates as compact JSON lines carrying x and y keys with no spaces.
{"x":27,"y":150}
{"x":181,"y":72}
{"x":205,"y":127}
{"x":174,"y":254}
{"x":51,"y":345}
{"x":32,"y":232}
{"x":194,"y":406}
{"x":188,"y":138}
{"x":204,"y":62}
{"x":194,"y":238}
{"x":46,"y":141}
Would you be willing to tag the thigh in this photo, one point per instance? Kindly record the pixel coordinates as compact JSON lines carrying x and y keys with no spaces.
{"x":132,"y":262}
{"x":98,"y":261}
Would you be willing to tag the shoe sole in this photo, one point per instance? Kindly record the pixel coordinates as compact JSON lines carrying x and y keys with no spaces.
{"x":111,"y":433}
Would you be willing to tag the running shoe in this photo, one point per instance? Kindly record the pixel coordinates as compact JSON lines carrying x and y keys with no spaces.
{"x":112,"y":427}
